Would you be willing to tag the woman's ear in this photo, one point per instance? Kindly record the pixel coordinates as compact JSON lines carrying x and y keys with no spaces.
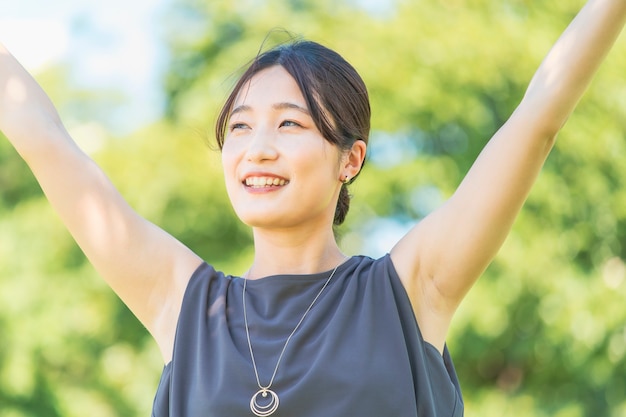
{"x":353,"y":160}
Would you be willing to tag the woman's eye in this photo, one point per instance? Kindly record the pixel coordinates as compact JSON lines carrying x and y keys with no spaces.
{"x":235,"y":126}
{"x":290,"y":123}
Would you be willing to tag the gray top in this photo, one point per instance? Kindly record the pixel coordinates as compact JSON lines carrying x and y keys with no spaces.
{"x":359,"y":351}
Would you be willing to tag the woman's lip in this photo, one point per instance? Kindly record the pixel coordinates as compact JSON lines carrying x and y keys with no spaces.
{"x":261,"y":187}
{"x":262,"y":174}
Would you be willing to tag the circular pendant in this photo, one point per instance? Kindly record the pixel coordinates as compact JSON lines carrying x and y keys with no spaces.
{"x":264,"y":406}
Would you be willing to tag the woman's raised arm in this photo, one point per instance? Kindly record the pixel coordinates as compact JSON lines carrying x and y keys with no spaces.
{"x":442,"y":256}
{"x":144,"y":265}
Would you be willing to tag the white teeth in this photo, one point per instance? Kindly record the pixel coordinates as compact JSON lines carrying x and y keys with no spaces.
{"x":260,"y":182}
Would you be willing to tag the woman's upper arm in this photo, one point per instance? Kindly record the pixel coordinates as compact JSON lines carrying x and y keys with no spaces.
{"x":143,"y":264}
{"x":441,"y":257}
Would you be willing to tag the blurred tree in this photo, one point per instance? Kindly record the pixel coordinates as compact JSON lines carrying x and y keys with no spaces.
{"x":543,"y":333}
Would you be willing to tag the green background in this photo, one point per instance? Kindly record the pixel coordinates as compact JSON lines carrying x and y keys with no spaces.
{"x":543,"y":333}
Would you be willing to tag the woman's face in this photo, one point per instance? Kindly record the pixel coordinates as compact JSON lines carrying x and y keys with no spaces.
{"x":280,"y":172}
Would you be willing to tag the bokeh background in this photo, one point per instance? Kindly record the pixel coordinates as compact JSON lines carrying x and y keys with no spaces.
{"x":138,"y":83}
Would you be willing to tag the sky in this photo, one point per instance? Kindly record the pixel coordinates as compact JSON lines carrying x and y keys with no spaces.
{"x":105,"y":44}
{"x":112,"y":44}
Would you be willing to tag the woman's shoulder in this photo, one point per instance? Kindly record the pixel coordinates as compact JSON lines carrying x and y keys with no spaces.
{"x":204,"y":275}
{"x":370,"y":267}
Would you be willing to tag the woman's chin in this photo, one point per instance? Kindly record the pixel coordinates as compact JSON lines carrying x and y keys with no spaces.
{"x":263,"y":220}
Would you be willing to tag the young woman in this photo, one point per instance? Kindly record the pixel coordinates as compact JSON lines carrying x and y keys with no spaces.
{"x":306,"y":331}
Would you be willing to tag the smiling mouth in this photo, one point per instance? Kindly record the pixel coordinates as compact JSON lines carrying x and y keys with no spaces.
{"x":264,"y":182}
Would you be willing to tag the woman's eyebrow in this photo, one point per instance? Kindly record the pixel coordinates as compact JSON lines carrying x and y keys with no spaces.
{"x":288,"y":105}
{"x":278,"y":106}
{"x":240,"y":109}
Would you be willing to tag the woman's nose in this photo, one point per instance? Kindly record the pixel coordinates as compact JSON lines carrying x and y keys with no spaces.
{"x":262,"y":146}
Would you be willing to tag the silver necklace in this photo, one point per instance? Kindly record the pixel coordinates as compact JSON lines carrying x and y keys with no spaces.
{"x":268,"y":407}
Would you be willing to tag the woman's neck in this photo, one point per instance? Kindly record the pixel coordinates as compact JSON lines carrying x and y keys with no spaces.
{"x":293,"y":252}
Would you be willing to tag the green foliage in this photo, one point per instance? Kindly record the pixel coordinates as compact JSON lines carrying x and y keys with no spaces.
{"x":543,"y":333}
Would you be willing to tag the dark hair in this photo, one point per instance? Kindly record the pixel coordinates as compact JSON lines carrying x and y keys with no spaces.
{"x":333,"y":91}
